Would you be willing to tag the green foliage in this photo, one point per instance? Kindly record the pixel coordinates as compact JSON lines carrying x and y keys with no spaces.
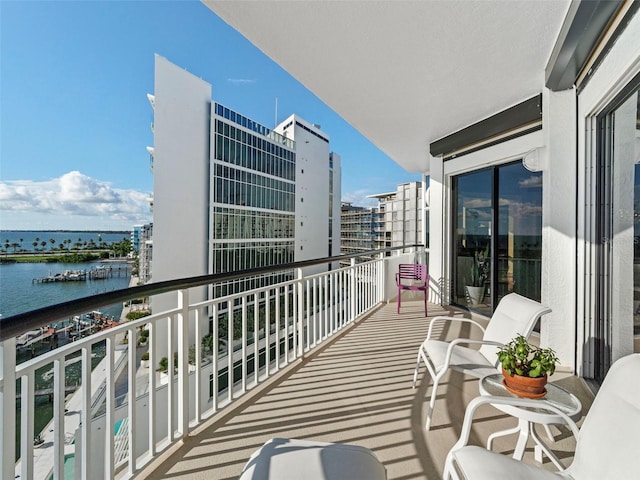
{"x":121,"y":248}
{"x":78,"y":257}
{"x":164,"y":364}
{"x":207,"y":344}
{"x":519,"y":357}
{"x":480,"y":267}
{"x":145,"y":356}
{"x":144,"y":334}
{"x":134,"y":315}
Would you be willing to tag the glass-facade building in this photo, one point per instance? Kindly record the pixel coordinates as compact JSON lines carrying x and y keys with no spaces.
{"x":252,"y":197}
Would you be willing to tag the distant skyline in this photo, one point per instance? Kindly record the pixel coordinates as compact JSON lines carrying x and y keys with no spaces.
{"x":75,"y":119}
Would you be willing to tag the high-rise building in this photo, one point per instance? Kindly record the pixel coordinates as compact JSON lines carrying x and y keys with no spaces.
{"x":145,"y":253}
{"x":232,"y":194}
{"x":361,"y":230}
{"x":396,"y":221}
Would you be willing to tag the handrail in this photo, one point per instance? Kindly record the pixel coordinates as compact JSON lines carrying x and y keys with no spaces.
{"x":17,"y":324}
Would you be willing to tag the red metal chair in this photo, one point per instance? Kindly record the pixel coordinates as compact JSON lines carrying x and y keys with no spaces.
{"x":412,"y":276}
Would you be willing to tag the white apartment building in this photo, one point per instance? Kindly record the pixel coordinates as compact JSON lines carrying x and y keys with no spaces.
{"x":403,"y":211}
{"x":231,"y":194}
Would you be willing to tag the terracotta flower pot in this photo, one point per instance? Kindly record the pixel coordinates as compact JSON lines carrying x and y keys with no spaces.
{"x":525,"y":387}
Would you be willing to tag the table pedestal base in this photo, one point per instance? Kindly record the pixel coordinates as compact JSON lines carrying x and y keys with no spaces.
{"x":525,"y":430}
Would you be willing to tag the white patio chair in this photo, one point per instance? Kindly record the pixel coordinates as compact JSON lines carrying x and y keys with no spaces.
{"x":514,"y":315}
{"x":607,"y":445}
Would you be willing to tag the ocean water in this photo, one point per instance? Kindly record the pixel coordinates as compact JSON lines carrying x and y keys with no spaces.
{"x":19,"y":293}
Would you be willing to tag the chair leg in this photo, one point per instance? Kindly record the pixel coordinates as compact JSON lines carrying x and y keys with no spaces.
{"x":415,"y":371}
{"x":432,"y":403}
{"x":399,"y":300}
{"x":425,"y":303}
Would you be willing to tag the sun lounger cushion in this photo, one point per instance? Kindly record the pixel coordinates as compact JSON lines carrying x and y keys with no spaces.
{"x":290,"y":459}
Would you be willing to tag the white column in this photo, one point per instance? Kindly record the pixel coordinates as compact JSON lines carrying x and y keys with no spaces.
{"x":438,"y":293}
{"x":559,"y":223}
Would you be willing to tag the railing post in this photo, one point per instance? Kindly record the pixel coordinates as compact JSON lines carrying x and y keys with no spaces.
{"x":85,"y":428}
{"x":131,"y":408}
{"x":8,"y":408}
{"x":109,"y":457}
{"x":153,"y":394}
{"x":352,"y":292}
{"x":183,"y":363}
{"x":300,"y":308}
{"x":382,"y":279}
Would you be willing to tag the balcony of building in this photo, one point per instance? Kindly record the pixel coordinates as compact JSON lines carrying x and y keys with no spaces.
{"x":357,"y":390}
{"x":319,"y":357}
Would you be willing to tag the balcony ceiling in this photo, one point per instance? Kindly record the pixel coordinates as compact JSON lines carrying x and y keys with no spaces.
{"x":406,"y":73}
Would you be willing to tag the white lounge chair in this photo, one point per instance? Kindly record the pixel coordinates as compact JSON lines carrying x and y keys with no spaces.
{"x":514,"y":315}
{"x":607,"y":445}
{"x":293,"y":459}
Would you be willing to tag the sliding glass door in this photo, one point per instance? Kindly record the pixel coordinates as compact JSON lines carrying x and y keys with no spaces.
{"x":617,"y":324}
{"x":497,"y":236}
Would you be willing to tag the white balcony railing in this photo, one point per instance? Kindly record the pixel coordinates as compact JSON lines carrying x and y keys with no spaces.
{"x":113,"y":425}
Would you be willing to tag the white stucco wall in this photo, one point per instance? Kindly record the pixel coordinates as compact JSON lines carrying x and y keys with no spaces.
{"x":438,"y":191}
{"x":312,"y":193}
{"x":337,"y":195}
{"x":181,"y":179}
{"x":559,"y":187}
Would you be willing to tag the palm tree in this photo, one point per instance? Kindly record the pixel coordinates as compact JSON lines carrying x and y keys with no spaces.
{"x":52,"y":241}
{"x":44,"y":244}
{"x":35,"y":245}
{"x":15,"y":246}
{"x":21,"y":240}
{"x":60,"y":246}
{"x":6,"y":244}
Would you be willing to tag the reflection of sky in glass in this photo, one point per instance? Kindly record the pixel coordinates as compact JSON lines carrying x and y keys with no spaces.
{"x":519,"y":190}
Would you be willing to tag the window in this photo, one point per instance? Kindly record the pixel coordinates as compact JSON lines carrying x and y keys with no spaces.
{"x":497,"y":235}
{"x":617,"y":179}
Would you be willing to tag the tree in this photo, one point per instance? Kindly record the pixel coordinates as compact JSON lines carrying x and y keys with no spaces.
{"x":15,"y":246}
{"x":52,"y":241}
{"x":35,"y":245}
{"x":121,"y":248}
{"x":21,"y":240}
{"x":60,"y":246}
{"x":43,"y":243}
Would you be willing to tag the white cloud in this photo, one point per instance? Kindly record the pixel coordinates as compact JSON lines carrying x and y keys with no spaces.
{"x":359,"y":198}
{"x":73,"y":195}
{"x":534,"y":181}
{"x":240,"y":81}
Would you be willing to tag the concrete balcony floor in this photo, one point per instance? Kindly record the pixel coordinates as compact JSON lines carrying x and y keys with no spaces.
{"x":357,"y":389}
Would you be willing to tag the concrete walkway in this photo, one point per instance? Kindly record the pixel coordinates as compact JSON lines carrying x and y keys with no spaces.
{"x":356,"y":390}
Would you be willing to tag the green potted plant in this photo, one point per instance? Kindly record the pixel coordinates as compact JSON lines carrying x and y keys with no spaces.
{"x":526,"y":367}
{"x":478,"y":274}
{"x":144,"y":360}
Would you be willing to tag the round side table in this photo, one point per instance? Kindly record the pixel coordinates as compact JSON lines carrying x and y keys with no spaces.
{"x":492,"y":386}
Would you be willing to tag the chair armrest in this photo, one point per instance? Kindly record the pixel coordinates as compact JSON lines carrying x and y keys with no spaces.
{"x":441,"y":319}
{"x":461,"y":341}
{"x":513,"y":401}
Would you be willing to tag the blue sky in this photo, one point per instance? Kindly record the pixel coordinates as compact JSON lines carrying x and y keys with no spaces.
{"x":75,"y":120}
